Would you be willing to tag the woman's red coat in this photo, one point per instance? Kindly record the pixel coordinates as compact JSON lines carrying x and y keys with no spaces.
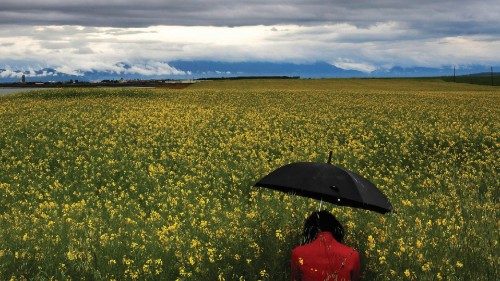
{"x":325,"y":259}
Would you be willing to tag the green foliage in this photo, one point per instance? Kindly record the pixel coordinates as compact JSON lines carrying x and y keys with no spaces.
{"x":480,"y":79}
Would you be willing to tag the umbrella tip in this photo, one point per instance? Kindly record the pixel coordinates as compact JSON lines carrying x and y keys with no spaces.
{"x":330,"y":157}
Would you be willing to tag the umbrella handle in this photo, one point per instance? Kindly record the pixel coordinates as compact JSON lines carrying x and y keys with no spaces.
{"x":330,"y":157}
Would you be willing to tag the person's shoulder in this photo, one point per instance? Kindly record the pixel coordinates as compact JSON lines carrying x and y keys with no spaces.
{"x":300,"y":248}
{"x":353,"y":256}
{"x":303,"y":250}
{"x":348,"y":250}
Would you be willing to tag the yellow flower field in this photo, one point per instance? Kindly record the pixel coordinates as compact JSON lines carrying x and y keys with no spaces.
{"x":157,"y":183}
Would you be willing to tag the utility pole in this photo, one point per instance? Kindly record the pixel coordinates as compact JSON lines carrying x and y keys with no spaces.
{"x":454,"y":79}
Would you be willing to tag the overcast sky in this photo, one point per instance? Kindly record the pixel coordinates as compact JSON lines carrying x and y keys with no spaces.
{"x":81,"y":35}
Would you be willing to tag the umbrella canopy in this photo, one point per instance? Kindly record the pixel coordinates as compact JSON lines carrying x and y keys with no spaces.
{"x":324,"y":181}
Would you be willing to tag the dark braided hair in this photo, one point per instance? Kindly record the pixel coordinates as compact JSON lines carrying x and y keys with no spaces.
{"x":320,"y":221}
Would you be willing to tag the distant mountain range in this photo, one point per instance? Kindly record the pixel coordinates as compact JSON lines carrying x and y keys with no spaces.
{"x":182,"y":69}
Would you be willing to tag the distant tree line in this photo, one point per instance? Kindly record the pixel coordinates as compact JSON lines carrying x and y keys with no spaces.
{"x":250,"y":77}
{"x":485,"y":78}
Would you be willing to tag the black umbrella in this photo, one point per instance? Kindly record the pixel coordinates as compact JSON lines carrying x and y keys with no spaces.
{"x":326,"y":182}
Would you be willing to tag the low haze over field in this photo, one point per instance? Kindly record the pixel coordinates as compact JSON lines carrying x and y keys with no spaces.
{"x":143,"y":37}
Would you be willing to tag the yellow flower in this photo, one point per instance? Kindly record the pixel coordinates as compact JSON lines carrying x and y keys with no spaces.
{"x":407,"y":273}
{"x":419,"y":244}
{"x":381,"y":259}
{"x":279,"y":235}
{"x":145,"y":268}
{"x":71,"y":255}
{"x":371,"y":242}
{"x":127,"y":261}
{"x":195,"y":243}
{"x":406,"y":202}
{"x":426,"y":267}
{"x":402,"y":248}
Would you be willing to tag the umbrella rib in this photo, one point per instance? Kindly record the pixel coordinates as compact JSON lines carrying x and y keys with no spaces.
{"x":353,"y":179}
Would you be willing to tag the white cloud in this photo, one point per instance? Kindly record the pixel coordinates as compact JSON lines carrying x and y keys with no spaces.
{"x":153,"y":68}
{"x":351,"y":65}
{"x":9,"y":73}
{"x":29,"y":72}
{"x":68,"y":70}
{"x":445,"y":17}
{"x":73,"y":49}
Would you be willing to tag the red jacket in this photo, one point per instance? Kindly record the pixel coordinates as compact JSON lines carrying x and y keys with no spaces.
{"x":325,"y":259}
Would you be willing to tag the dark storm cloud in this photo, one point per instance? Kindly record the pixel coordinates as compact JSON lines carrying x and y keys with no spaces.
{"x":462,"y":17}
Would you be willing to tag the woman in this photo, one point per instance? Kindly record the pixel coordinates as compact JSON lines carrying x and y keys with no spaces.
{"x":322,"y":256}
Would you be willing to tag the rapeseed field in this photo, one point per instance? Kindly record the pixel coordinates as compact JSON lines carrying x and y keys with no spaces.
{"x":118,"y":184}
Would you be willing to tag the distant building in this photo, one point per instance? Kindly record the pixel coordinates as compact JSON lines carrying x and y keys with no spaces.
{"x":23,"y":79}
